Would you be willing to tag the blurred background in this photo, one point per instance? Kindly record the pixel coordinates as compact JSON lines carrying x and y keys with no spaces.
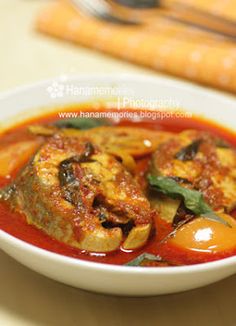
{"x":193,"y":40}
{"x":27,"y":55}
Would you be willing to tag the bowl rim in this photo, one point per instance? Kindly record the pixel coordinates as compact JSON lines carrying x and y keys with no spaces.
{"x":122,"y":77}
{"x":76,"y":262}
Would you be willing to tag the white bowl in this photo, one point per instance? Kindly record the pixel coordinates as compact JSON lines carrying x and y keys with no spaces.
{"x":111,"y":279}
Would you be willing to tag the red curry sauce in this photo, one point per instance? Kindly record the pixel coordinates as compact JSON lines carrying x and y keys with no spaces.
{"x":15,"y":223}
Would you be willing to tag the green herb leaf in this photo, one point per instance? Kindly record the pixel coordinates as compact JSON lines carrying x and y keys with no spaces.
{"x":145,"y":256}
{"x":6,"y":193}
{"x":221,"y":143}
{"x":193,"y":199}
{"x":82,"y":123}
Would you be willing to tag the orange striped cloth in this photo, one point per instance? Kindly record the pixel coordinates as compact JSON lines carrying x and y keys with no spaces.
{"x":161,"y":44}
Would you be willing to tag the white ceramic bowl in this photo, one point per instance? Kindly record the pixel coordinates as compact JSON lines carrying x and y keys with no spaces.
{"x":119,"y":280}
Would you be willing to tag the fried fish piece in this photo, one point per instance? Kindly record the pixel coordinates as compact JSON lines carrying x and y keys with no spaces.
{"x":83,"y":196}
{"x":201,"y":161}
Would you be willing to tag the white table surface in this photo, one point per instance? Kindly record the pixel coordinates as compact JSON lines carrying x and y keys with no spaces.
{"x":27,"y":298}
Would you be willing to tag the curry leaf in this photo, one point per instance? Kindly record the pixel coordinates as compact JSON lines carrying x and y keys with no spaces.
{"x":82,"y":123}
{"x":7,"y":192}
{"x":193,"y":199}
{"x":189,"y":152}
{"x":221,"y":143}
{"x":143,"y":257}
